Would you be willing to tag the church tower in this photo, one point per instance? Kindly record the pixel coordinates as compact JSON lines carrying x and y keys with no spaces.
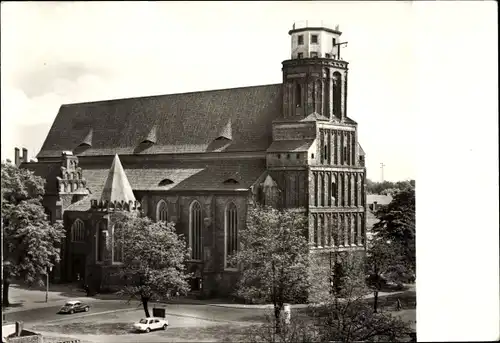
{"x":315,"y":157}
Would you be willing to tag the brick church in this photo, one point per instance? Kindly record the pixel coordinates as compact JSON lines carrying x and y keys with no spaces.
{"x":200,"y":159}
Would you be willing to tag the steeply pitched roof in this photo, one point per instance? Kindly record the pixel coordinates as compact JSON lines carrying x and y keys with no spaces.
{"x":187,"y":122}
{"x":117,"y":187}
{"x":291,"y":145}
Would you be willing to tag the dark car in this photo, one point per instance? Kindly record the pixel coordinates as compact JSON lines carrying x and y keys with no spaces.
{"x":74,"y":306}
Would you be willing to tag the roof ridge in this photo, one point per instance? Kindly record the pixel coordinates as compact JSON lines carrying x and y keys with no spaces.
{"x":168,"y":94}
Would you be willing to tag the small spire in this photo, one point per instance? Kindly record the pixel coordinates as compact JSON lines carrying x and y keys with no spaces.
{"x":117,"y":187}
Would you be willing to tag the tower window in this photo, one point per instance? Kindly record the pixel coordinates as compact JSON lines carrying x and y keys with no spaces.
{"x":314,"y":54}
{"x":279,"y":156}
{"x":314,"y":39}
{"x":300,"y":55}
{"x":328,"y":55}
{"x":301,"y":39}
{"x":298,"y":94}
{"x":287,"y":156}
{"x":334,"y":42}
{"x":312,"y":155}
{"x":298,"y":156}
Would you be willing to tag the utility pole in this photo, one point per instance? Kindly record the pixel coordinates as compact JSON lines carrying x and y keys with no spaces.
{"x":382,"y":165}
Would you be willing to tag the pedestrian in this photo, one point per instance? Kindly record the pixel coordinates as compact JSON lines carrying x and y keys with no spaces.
{"x":398,"y":305}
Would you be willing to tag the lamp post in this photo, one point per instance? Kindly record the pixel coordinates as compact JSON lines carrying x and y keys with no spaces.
{"x":48,"y":269}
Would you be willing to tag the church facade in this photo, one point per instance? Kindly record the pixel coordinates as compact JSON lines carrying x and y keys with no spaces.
{"x":201,"y":159}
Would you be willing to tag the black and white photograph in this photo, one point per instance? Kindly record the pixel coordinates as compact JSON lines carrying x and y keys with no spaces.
{"x":227,"y":171}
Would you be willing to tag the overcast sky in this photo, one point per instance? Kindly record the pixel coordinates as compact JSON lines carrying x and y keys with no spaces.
{"x":57,"y":53}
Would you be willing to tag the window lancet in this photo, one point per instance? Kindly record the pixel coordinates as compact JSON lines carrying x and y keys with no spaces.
{"x":162,"y":211}
{"x":118,"y":243}
{"x":78,"y":231}
{"x":298,"y":94}
{"x":231,"y":234}
{"x":195,"y":226}
{"x":102,"y":235}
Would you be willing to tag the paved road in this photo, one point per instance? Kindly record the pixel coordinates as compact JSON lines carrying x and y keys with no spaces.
{"x":45,"y":314}
{"x":206,"y":312}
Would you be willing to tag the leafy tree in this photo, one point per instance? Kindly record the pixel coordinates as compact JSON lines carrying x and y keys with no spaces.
{"x":273,"y":257}
{"x":154,"y":259}
{"x":397,"y":223}
{"x":30,"y":242}
{"x":385,"y":262}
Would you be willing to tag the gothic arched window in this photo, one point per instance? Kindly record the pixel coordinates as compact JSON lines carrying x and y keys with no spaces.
{"x":118,"y":243}
{"x":231,"y":233}
{"x":78,"y":231}
{"x":161,"y":211}
{"x":298,"y":94}
{"x":102,"y":235}
{"x":337,"y":93}
{"x":195,"y":226}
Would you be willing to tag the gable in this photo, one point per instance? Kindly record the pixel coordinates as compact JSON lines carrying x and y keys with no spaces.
{"x":175,"y":123}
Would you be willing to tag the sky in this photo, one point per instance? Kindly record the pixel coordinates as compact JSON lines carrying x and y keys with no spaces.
{"x":55,"y":53}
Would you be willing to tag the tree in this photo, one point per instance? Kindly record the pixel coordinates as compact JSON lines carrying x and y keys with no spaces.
{"x":30,"y":242}
{"x":154,"y":259}
{"x":273,"y":257}
{"x":397,"y":223}
{"x":385,"y":262}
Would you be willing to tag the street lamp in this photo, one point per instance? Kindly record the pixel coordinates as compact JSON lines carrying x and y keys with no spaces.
{"x":48,"y":269}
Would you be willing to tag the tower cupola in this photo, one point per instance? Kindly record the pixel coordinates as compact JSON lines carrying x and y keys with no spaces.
{"x":315,"y":40}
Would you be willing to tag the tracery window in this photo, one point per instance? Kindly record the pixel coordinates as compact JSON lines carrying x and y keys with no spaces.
{"x":78,"y":231}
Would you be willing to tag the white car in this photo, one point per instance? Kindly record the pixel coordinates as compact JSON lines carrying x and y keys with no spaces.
{"x":150,"y":324}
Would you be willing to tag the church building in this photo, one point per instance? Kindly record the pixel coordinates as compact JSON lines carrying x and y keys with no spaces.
{"x":201,"y":159}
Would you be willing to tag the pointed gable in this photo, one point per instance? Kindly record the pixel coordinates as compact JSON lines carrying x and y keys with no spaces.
{"x":117,"y":187}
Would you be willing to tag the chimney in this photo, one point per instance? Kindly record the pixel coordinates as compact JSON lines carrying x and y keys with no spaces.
{"x":16,"y":157}
{"x":25,"y":155}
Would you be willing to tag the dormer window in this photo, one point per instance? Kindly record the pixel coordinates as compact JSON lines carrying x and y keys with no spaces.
{"x":231,"y":182}
{"x":165,"y":182}
{"x":314,"y":39}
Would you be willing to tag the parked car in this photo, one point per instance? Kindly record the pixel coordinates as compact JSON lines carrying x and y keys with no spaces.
{"x":150,"y":324}
{"x":73,"y":306}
